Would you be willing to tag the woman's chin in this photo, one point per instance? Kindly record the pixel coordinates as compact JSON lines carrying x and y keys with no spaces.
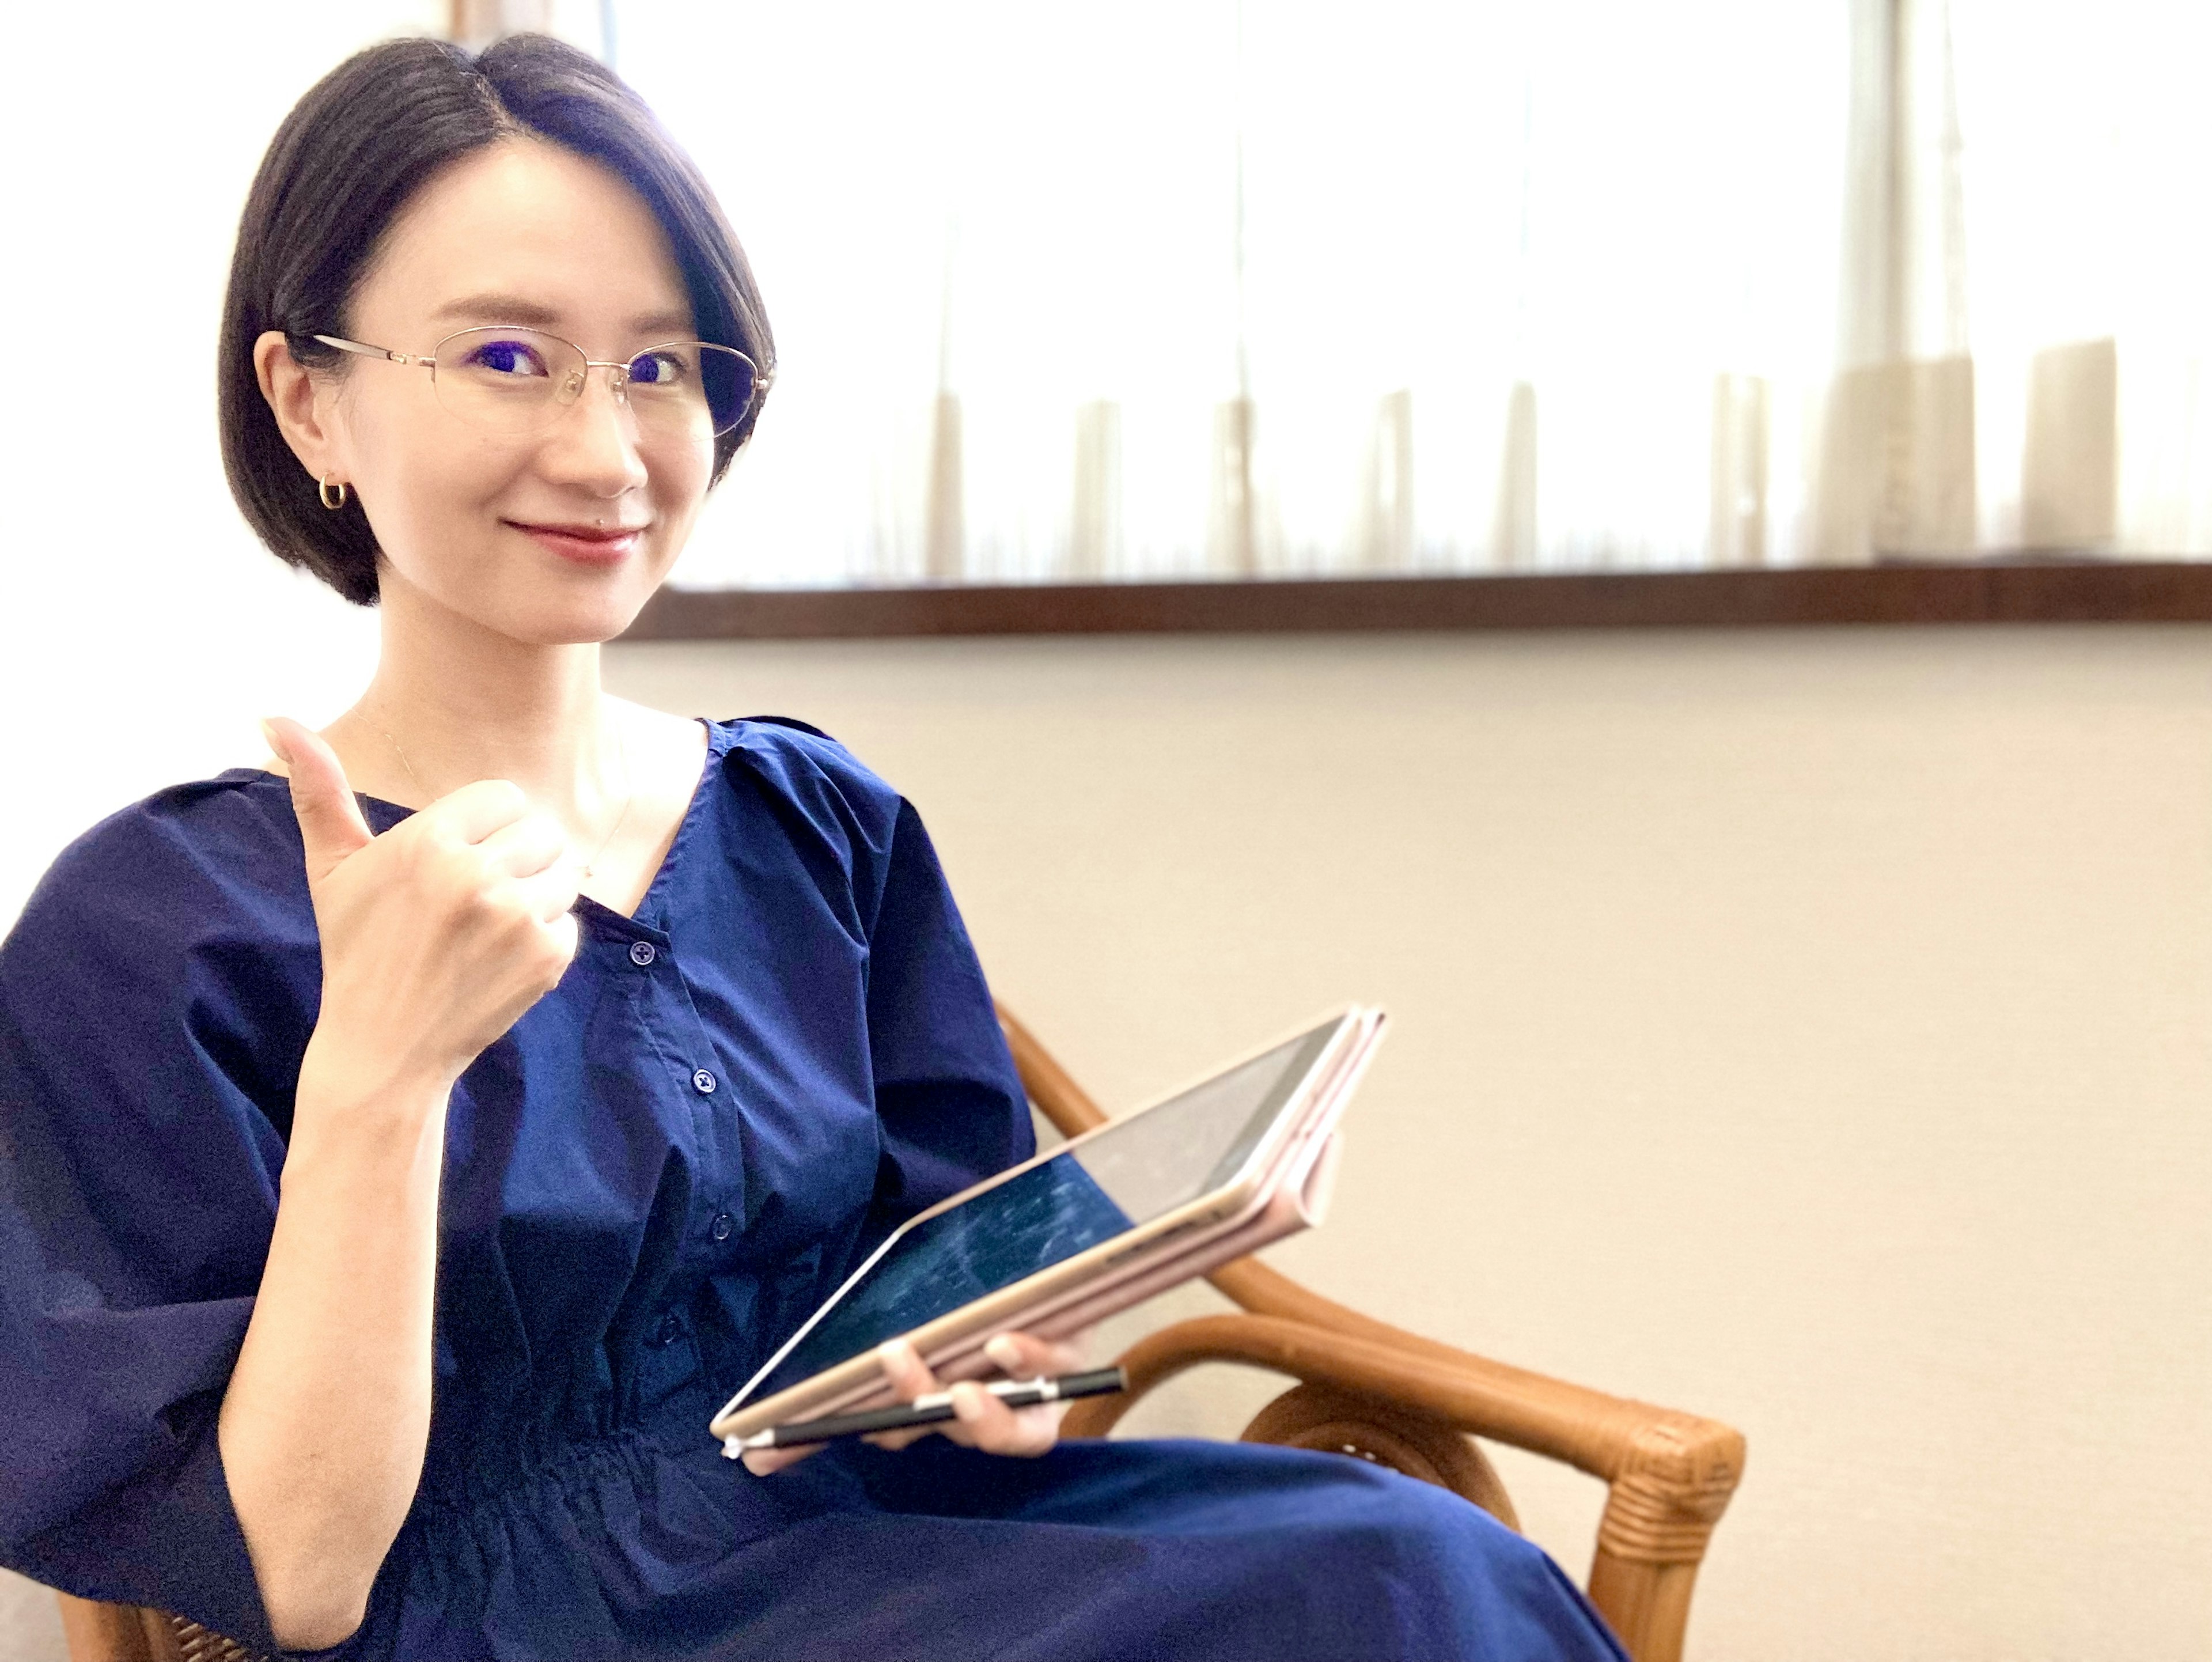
{"x":541,"y":620}
{"x":549,"y":604}
{"x":556,"y":614}
{"x":599,"y":607}
{"x":579,"y":625}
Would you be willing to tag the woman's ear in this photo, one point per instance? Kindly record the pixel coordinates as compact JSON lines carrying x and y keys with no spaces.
{"x":303,"y":415}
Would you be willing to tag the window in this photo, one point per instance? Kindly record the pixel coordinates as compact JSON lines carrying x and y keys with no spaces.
{"x":1198,"y":289}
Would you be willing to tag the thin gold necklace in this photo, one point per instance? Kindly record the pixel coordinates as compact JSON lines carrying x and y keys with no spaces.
{"x":629,"y":796}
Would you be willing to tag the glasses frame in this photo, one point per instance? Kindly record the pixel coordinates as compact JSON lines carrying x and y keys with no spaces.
{"x":617,"y":381}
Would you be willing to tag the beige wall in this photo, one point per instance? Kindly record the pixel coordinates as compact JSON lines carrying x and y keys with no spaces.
{"x":1804,"y":1028}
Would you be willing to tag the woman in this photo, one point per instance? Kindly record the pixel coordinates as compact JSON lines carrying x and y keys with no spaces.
{"x":394,"y":1185}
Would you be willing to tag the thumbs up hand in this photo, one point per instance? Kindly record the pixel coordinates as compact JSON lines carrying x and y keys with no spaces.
{"x":438,"y":935}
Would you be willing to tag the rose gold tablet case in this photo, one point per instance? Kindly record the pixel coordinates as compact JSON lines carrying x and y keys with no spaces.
{"x":1284,"y":1187}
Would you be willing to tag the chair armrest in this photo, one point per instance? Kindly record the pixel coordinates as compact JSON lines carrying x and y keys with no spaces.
{"x":1610,"y":1437}
{"x":1669,"y":1474}
{"x":94,"y":1632}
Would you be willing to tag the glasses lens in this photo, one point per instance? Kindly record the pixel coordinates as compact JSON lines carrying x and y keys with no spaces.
{"x":506,"y":379}
{"x":689,"y":385}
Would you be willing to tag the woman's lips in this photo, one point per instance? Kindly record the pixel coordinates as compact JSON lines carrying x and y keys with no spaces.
{"x":585,"y":544}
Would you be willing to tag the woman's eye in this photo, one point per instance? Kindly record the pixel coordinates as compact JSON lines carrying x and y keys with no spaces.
{"x":663,"y":367}
{"x":506,"y":357}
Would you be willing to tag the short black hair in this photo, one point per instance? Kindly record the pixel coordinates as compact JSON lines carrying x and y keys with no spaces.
{"x":350,"y":154}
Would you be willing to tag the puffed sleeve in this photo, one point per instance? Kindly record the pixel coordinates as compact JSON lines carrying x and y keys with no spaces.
{"x":153,"y":1010}
{"x":947,"y":1094}
{"x":950,"y":1106}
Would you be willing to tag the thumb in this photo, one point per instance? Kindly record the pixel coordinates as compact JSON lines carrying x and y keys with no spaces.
{"x":330,"y":825}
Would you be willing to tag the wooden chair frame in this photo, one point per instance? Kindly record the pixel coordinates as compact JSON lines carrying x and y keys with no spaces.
{"x":129,"y":1633}
{"x":1365,"y":1389}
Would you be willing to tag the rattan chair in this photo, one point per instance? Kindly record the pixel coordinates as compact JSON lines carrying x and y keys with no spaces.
{"x":1363,"y":1388}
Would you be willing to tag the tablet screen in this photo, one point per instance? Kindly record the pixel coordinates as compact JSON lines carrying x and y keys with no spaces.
{"x":1138,"y":1170}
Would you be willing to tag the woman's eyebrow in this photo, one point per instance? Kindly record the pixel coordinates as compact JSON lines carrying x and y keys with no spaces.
{"x":498,"y":309}
{"x":512,"y":309}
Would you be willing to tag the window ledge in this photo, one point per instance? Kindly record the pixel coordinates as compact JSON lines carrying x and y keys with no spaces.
{"x":1994,"y":592}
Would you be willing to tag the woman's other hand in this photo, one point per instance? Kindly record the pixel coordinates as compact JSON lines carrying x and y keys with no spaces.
{"x":435,"y":937}
{"x":984,"y":1422}
{"x":438,"y":935}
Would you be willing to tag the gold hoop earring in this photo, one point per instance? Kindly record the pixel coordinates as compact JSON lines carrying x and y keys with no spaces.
{"x":322,"y":490}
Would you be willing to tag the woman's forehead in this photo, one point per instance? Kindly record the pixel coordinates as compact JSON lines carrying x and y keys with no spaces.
{"x":527,"y":233}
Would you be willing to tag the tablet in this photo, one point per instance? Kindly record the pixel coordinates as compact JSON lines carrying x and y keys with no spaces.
{"x":1048,"y":1233}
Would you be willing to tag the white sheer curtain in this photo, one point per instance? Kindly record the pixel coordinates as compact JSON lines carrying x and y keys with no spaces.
{"x":2087,"y":254}
{"x":1209,"y":290}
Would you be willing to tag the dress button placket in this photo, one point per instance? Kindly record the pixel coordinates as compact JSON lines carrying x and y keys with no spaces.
{"x":704,"y":1083}
{"x":641,"y":953}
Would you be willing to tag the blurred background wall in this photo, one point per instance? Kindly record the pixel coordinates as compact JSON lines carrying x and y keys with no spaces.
{"x":1804,"y":1028}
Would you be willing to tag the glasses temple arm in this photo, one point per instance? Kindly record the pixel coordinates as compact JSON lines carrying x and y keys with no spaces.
{"x":356,"y":348}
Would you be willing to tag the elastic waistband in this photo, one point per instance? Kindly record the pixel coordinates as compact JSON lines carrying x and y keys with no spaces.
{"x":537,"y":1457}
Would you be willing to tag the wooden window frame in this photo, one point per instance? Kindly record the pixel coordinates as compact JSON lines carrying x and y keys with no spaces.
{"x":2027,"y":591}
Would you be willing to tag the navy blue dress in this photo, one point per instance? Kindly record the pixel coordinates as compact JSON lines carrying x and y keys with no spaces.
{"x":648,"y":1183}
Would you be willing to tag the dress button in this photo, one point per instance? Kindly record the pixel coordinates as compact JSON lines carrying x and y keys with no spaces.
{"x":704,"y":1083}
{"x":719,"y":1229}
{"x":670,"y":1330}
{"x":641,"y":952}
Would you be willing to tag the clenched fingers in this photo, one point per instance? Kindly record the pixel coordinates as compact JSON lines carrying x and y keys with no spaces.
{"x":525,"y":847}
{"x":550,"y":894}
{"x":474,"y":811}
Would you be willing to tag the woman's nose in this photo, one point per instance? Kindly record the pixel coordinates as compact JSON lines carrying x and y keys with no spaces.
{"x":596,"y":443}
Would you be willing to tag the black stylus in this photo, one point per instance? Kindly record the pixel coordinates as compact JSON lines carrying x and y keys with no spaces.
{"x":930,"y":1410}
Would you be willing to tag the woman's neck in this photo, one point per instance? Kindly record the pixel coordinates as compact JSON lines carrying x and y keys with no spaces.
{"x":453,"y":701}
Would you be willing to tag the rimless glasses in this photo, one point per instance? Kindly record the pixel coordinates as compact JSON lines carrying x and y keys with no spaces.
{"x":506,"y":379}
